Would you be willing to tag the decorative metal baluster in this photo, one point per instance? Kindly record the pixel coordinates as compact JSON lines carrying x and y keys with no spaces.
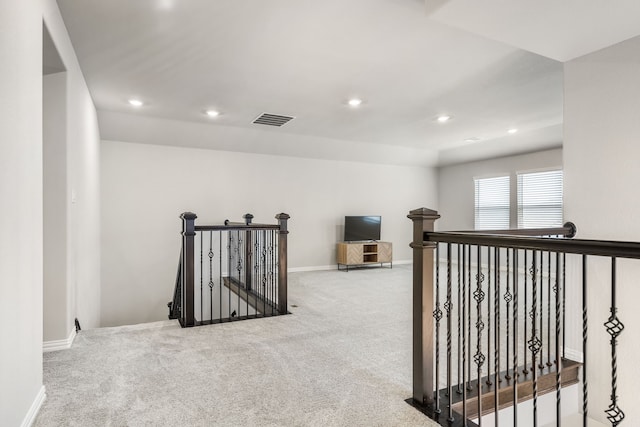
{"x":469,"y":359}
{"x":614,"y":328}
{"x":458,"y":389}
{"x":464,"y":335}
{"x":479,"y":358}
{"x":240,"y":269}
{"x":515,"y":337}
{"x":507,"y":299}
{"x":496,"y":305}
{"x":229,"y":271}
{"x":201,"y":280}
{"x":556,"y":288}
{"x":255,"y":259}
{"x":534,"y":342}
{"x":549,"y":363}
{"x":264,"y":272}
{"x":585,"y":390}
{"x":564,"y":299}
{"x":488,"y":381}
{"x":525,"y":370}
{"x":447,"y":307}
{"x":437,"y":315}
{"x":220,"y":275}
{"x":210,"y":275}
{"x":541,"y":283}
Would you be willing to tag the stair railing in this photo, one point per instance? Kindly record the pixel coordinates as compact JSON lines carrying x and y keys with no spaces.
{"x":230,"y":272}
{"x":500,"y":301}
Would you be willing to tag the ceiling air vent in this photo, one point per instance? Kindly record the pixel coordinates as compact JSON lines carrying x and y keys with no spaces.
{"x":272,"y":119}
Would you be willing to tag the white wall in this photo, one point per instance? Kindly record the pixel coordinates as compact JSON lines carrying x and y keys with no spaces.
{"x":21,"y":218}
{"x":601,"y":152}
{"x":56,"y":325}
{"x":146,"y":187}
{"x":21,"y":192}
{"x":82,"y":198}
{"x":456,"y":188}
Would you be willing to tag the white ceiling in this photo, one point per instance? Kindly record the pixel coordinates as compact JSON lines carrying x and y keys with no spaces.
{"x":409,"y":63}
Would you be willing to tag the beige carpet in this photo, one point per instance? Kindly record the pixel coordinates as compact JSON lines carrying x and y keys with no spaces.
{"x":342,"y":358}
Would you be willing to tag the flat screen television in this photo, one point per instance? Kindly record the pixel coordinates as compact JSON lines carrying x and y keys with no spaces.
{"x":358,"y":228}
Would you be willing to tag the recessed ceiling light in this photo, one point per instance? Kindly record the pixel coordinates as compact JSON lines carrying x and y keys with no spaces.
{"x":136,"y":102}
{"x":355,"y":102}
{"x":512,"y":131}
{"x":212,"y":113}
{"x":443,"y":119}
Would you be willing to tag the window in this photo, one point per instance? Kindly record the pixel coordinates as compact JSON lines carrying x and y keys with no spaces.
{"x":492,"y":203}
{"x":540,"y":199}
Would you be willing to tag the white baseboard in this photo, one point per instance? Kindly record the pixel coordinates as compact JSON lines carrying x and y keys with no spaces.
{"x":59,"y":344}
{"x":34,"y":409}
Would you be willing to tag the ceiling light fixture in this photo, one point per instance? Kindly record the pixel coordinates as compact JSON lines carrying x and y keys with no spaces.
{"x":212,"y":113}
{"x":136,"y":102}
{"x":473,"y":139}
{"x":355,"y":102}
{"x":512,"y":131}
{"x":443,"y":119}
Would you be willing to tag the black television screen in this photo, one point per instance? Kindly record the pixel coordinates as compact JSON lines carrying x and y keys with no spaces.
{"x":357,"y":228}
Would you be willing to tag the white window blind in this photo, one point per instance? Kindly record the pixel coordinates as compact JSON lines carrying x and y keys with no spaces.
{"x":492,"y":203}
{"x":540,"y":199}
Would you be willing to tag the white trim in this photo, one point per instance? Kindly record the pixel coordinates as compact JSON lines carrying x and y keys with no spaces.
{"x":574,"y":355}
{"x":335,"y":266}
{"x":59,"y":344}
{"x":35,"y":408}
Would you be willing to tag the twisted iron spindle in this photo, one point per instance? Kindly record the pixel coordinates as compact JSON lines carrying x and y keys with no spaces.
{"x":488,"y":381}
{"x":447,"y":307}
{"x":585,"y":389}
{"x":614,"y":327}
{"x":464,"y":335}
{"x":507,"y":299}
{"x":458,"y":388}
{"x":220,"y":275}
{"x":549,"y":363}
{"x":201,"y":279}
{"x":515,"y":337}
{"x":564,"y":299}
{"x":469,"y":359}
{"x":479,"y":358}
{"x":437,"y":315}
{"x":558,"y":361}
{"x":534,"y":342}
{"x":541,"y":365}
{"x":210,"y":276}
{"x":526,"y":286}
{"x":496,"y":300}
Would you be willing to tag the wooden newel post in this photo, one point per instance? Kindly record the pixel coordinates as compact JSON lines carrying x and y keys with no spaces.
{"x":188,"y":248}
{"x":423,"y":305}
{"x":282,"y":262}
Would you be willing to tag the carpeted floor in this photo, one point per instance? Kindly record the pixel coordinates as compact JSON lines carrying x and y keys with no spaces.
{"x":342,"y":358}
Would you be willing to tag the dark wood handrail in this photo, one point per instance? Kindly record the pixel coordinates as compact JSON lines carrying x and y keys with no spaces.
{"x":567,"y":230}
{"x":237,"y":226}
{"x":607,"y":248}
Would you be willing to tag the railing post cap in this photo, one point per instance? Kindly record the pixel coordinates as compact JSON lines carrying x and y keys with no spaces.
{"x":247,"y":215}
{"x":423,"y":213}
{"x":282,"y":216}
{"x":573,"y":229}
{"x":188,"y":216}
